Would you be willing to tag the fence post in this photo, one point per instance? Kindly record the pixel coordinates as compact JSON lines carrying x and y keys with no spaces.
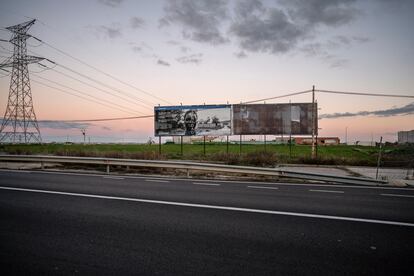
{"x":159,"y":145}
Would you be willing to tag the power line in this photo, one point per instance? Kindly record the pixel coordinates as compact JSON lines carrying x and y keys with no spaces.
{"x":133,"y":97}
{"x":365,"y":94}
{"x":99,"y":89}
{"x":102,"y":72}
{"x":75,"y":95}
{"x":109,"y":119}
{"x":105,"y":85}
{"x":278,"y":97}
{"x":126,"y":109}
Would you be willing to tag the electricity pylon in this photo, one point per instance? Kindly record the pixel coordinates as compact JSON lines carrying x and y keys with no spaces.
{"x":19,"y":122}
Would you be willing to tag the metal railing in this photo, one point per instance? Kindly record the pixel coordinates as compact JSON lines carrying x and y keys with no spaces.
{"x":191,"y":166}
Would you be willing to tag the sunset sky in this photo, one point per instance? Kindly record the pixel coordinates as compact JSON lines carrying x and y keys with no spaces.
{"x":214,"y":52}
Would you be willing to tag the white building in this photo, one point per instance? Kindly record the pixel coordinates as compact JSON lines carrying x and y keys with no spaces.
{"x":406,"y":137}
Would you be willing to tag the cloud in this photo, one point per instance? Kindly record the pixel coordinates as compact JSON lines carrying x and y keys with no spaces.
{"x":269,"y":31}
{"x":173,"y":42}
{"x":325,"y":50}
{"x":195,"y":59}
{"x":274,"y":27}
{"x":136,"y":22}
{"x":141,"y":47}
{"x":185,"y":49}
{"x":111,"y":3}
{"x":240,"y":54}
{"x":106,"y":128}
{"x":113,"y":31}
{"x":163,"y":63}
{"x":200,"y":20}
{"x":62,"y":124}
{"x":56,"y":124}
{"x":280,"y":29}
{"x":396,"y":111}
{"x":321,"y":12}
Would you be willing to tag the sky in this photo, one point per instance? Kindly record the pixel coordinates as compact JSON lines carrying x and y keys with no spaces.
{"x":214,"y":52}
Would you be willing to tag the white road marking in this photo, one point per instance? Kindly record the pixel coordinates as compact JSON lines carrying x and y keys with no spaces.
{"x":397,"y":195}
{"x":114,"y":177}
{"x":215,"y":207}
{"x":219,"y":181}
{"x":157,"y":180}
{"x":327,"y":191}
{"x":263,"y":187}
{"x":205,"y":184}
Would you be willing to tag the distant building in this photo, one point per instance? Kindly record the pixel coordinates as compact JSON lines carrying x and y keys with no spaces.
{"x":321,"y":141}
{"x":192,"y":139}
{"x":405,"y":137}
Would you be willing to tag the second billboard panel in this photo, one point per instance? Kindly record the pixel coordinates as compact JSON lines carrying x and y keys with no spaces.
{"x":277,"y":119}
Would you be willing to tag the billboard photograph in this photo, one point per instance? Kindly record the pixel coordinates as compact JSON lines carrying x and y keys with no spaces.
{"x":276,"y":119}
{"x":193,"y":120}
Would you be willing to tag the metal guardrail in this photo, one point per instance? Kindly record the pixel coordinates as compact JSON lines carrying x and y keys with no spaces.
{"x":191,"y":166}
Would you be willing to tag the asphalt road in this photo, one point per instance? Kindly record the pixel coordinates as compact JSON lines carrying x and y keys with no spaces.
{"x":57,"y":223}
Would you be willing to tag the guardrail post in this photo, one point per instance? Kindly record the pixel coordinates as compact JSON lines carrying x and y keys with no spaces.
{"x":107,"y":168}
{"x":188,"y":173}
{"x":42,"y":165}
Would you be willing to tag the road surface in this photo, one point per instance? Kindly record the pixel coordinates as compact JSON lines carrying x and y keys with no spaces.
{"x":62,"y":223}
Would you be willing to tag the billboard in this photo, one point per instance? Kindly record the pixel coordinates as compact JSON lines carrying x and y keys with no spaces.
{"x":189,"y":120}
{"x":276,"y":119}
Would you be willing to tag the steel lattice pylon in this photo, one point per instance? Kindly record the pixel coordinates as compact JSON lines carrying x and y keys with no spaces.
{"x":19,"y":122}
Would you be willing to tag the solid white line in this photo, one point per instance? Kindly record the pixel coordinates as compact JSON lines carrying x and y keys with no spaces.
{"x":263,"y":187}
{"x":327,"y":191}
{"x":113,"y":177}
{"x":215,"y":207}
{"x":157,"y":180}
{"x":205,"y":184}
{"x":397,"y":195}
{"x":219,"y":181}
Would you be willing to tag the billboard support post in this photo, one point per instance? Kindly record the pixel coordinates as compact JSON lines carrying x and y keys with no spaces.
{"x":227,"y":145}
{"x":204,"y":144}
{"x":313,"y":121}
{"x":240,"y":144}
{"x":181,"y":145}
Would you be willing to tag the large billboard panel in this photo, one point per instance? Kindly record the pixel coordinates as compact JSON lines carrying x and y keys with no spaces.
{"x":189,"y":120}
{"x":276,"y":119}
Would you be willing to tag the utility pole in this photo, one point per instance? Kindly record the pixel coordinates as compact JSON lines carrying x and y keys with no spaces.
{"x":313,"y":122}
{"x":83,"y":130}
{"x":19,"y":121}
{"x":346,"y":135}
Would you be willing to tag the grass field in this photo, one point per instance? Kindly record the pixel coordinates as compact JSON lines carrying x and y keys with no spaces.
{"x":249,"y":154}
